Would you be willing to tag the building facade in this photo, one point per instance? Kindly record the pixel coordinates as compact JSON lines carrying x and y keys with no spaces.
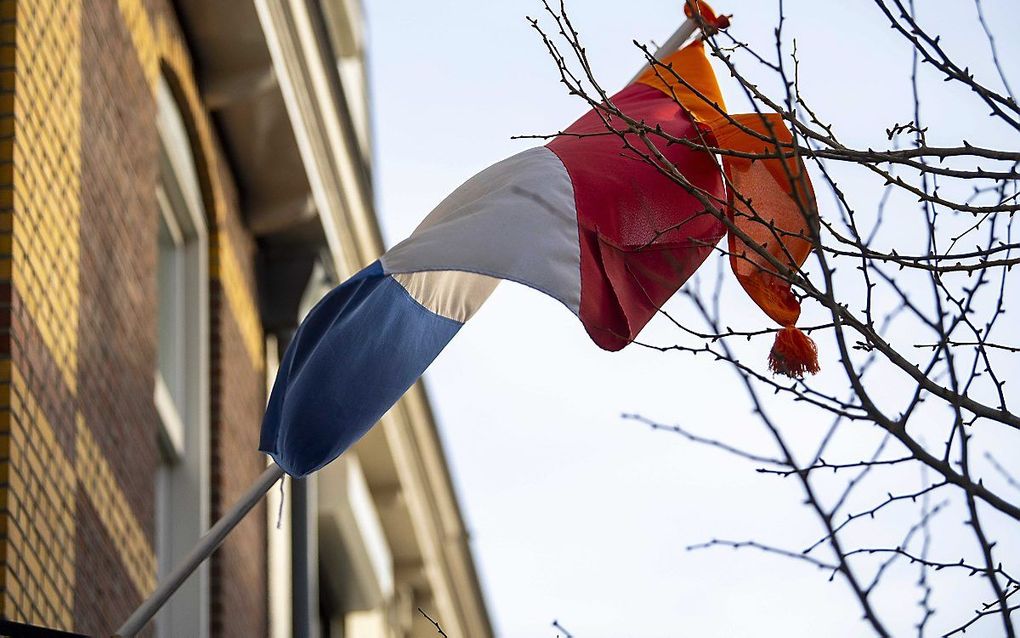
{"x":179,"y":182}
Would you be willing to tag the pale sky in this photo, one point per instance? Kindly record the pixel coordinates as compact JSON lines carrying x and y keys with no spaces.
{"x":576,"y":514}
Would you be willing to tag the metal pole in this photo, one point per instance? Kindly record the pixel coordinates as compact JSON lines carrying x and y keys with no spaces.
{"x":212,"y":539}
{"x":674,"y":43}
{"x":206,"y":545}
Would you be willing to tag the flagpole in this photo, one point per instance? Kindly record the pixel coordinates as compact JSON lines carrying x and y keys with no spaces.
{"x":213,"y":538}
{"x":675,"y":41}
{"x":206,"y":545}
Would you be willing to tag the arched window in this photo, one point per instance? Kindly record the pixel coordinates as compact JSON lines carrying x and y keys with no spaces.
{"x":181,"y":390}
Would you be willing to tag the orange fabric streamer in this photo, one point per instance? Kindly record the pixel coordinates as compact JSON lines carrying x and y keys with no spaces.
{"x":772,"y":203}
{"x":770,"y":200}
{"x":698,"y":93}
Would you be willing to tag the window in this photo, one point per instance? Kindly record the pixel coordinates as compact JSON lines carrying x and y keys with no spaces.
{"x":181,"y":392}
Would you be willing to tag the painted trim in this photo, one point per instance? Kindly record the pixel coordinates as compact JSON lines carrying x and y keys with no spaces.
{"x":322,"y":137}
{"x":188,"y":612}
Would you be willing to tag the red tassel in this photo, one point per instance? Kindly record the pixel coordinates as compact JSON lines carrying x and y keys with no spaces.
{"x":793,"y":354}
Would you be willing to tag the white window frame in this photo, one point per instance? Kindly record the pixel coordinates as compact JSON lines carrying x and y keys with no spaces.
{"x":182,"y":485}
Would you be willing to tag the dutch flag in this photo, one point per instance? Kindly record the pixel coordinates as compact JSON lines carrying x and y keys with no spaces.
{"x":581,"y":219}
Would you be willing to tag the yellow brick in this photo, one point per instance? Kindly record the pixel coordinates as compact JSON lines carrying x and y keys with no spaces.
{"x":47,"y":169}
{"x":114,"y":512}
{"x":31,"y":562}
{"x":13,"y":587}
{"x":240,"y":300}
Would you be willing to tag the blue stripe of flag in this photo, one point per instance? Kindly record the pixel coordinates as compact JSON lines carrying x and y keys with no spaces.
{"x":355,"y":354}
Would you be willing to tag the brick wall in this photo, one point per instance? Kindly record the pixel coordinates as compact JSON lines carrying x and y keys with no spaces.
{"x":42,"y":67}
{"x":239,"y":588}
{"x":78,"y":220}
{"x":117,"y":314}
{"x":238,"y":572}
